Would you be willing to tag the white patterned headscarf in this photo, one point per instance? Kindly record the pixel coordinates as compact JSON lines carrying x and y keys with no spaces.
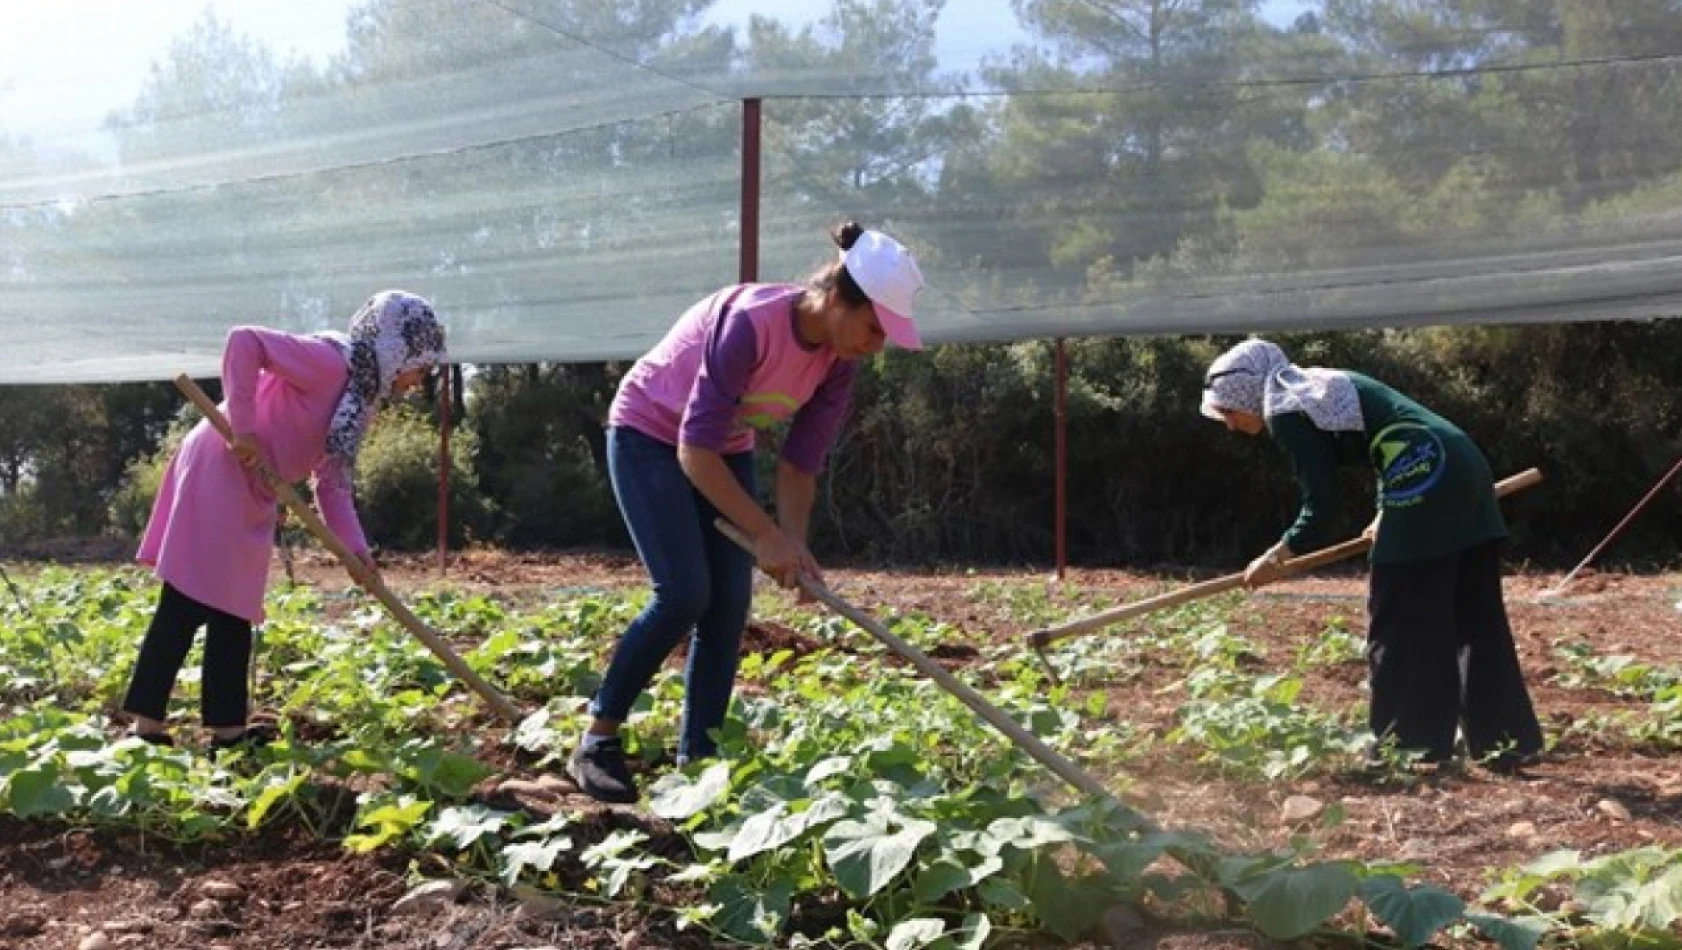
{"x":394,"y":332}
{"x":1256,"y":377}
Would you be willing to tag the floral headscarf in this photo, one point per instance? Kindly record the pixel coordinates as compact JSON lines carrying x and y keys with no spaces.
{"x":1257,"y":377}
{"x":394,"y":332}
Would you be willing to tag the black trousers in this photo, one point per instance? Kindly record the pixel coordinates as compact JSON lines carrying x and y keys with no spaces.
{"x":227,"y":658}
{"x":1441,"y":655}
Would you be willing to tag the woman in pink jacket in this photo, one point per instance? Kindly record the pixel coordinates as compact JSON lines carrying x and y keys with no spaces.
{"x":300,"y":404}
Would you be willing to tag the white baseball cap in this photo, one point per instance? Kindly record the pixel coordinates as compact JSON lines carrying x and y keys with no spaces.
{"x":888,"y":275}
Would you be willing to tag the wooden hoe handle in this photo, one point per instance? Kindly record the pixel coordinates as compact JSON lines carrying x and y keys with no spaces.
{"x":1220,"y":585}
{"x":289,"y":497}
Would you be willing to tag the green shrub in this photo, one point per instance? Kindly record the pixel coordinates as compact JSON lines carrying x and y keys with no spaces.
{"x":131,"y":503}
{"x":397,"y":483}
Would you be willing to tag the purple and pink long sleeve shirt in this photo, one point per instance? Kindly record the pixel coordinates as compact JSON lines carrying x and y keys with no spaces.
{"x":733,"y":364}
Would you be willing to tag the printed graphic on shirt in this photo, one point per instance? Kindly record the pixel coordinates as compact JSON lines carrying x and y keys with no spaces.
{"x":1410,"y":461}
{"x":760,"y":410}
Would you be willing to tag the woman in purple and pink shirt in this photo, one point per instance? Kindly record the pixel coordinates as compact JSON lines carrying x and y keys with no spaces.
{"x":680,"y":454}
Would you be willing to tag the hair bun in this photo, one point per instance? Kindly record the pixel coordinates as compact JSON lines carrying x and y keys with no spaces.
{"x":847,"y":234}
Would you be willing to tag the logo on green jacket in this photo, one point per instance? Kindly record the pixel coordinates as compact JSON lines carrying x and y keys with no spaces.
{"x":1410,"y":461}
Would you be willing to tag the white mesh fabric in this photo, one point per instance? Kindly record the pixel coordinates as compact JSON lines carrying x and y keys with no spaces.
{"x":561,"y":177}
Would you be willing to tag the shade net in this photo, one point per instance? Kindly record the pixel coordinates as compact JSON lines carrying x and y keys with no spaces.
{"x":564,"y":178}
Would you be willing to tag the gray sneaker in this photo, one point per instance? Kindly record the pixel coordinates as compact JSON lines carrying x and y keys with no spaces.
{"x":602,"y":774}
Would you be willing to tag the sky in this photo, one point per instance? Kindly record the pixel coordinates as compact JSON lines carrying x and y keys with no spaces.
{"x":66,"y":64}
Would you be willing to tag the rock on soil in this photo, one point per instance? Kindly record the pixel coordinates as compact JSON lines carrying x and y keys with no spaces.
{"x":1301,"y":808}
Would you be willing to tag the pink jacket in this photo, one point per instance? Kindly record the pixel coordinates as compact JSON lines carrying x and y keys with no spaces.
{"x":213,"y":523}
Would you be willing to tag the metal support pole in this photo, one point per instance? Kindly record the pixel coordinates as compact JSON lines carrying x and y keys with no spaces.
{"x":1062,"y":457}
{"x":749,"y":269}
{"x":445,"y":397}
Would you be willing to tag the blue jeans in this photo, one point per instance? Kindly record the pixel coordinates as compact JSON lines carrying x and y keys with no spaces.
{"x":703,"y":583}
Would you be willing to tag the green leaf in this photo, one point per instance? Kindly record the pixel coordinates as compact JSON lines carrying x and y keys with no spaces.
{"x":862,"y":928}
{"x":980,"y":842}
{"x":675,"y":798}
{"x":1068,"y":906}
{"x":1127,"y":861}
{"x":543,"y":829}
{"x":1512,"y":933}
{"x":751,"y":914}
{"x":388,"y":822}
{"x":947,"y":874}
{"x":975,"y":930}
{"x":719,"y":840}
{"x":1555,"y":862}
{"x":538,"y":855}
{"x":691,"y":916}
{"x":38,"y":791}
{"x":825,"y":809}
{"x":768,"y":830}
{"x":1003,"y":893}
{"x":613,"y":846}
{"x":828,"y":768}
{"x":940,"y":877}
{"x":1287,"y":903}
{"x":363,"y":760}
{"x":866,"y":855}
{"x":196,"y":827}
{"x":1413,"y":914}
{"x":109,"y":802}
{"x":699,"y":873}
{"x":91,"y":761}
{"x":534,"y":734}
{"x":771,"y":790}
{"x":271,"y":796}
{"x":1247,"y":874}
{"x":461,"y":826}
{"x":1028,"y":832}
{"x":916,"y":932}
{"x":447,"y":774}
{"x":777,"y":826}
{"x":1658,"y":903}
{"x":619,"y":871}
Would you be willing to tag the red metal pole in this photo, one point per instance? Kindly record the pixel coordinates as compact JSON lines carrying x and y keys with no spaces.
{"x":1062,"y":457}
{"x":750,"y":191}
{"x":445,"y":390}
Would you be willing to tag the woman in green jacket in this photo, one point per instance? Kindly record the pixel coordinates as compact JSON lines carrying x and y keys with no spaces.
{"x":1440,"y":651}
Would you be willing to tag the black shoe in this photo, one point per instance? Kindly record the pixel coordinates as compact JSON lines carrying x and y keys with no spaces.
{"x":1512,"y":763}
{"x":162,"y":740}
{"x":602,"y":774}
{"x":255,"y":737}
